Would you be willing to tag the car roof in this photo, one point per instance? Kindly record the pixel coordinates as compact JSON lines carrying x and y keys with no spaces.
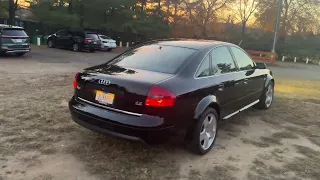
{"x":191,"y":43}
{"x":90,"y":32}
{"x":5,"y":26}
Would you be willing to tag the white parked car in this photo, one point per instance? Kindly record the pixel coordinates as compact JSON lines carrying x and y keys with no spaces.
{"x":107,"y":43}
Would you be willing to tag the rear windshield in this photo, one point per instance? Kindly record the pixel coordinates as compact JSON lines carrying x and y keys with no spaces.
{"x":93,"y":36}
{"x":13,"y":32}
{"x":157,"y":58}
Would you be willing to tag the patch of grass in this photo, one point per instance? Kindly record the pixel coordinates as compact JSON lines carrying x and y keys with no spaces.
{"x":48,"y":150}
{"x":307,"y":167}
{"x":194,"y":175}
{"x":112,"y":158}
{"x":230,"y":158}
{"x":302,"y":167}
{"x":315,"y":140}
{"x":44,"y":176}
{"x":220,"y":173}
{"x":285,"y":135}
{"x":270,"y":141}
{"x":255,"y":143}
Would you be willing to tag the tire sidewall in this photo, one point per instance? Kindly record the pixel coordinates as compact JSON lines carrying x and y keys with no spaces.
{"x":74,"y":48}
{"x":52,"y":44}
{"x":265,"y":96}
{"x":196,"y":134}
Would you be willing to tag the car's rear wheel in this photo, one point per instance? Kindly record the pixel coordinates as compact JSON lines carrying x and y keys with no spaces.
{"x":50,"y":43}
{"x":267,"y":97}
{"x":92,"y":50}
{"x":75,"y":47}
{"x":20,"y":54}
{"x":205,"y":132}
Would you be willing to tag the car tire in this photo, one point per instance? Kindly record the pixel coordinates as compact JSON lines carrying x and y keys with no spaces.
{"x":50,"y":43}
{"x":20,"y":54}
{"x":204,"y":134}
{"x":75,"y":47}
{"x":267,"y":97}
{"x":92,"y":50}
{"x":109,"y":50}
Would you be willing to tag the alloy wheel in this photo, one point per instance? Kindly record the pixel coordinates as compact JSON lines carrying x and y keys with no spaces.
{"x":269,"y":95}
{"x":50,"y":44}
{"x":208,"y":131}
{"x":75,"y":47}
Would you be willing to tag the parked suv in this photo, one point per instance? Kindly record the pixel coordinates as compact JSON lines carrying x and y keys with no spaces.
{"x":13,"y":40}
{"x":167,"y":87}
{"x":75,"y":40}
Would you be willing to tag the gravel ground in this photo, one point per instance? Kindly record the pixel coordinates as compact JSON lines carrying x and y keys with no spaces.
{"x":39,"y":141}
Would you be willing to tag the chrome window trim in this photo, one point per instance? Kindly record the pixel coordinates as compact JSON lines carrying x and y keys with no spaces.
{"x":109,"y":108}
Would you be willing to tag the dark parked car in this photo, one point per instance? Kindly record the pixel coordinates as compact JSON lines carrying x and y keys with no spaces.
{"x":75,"y":40}
{"x":160,"y":88}
{"x":13,"y":40}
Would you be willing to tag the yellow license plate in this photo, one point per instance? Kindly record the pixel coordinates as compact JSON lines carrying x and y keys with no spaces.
{"x":104,"y":98}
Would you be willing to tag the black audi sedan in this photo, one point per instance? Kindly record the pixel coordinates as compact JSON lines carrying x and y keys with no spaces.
{"x":164,"y":87}
{"x":77,"y":40}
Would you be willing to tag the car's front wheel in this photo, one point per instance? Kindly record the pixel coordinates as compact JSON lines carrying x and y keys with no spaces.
{"x":92,"y":50}
{"x":205,"y":132}
{"x":50,"y":43}
{"x":75,"y":47}
{"x":267,"y":97}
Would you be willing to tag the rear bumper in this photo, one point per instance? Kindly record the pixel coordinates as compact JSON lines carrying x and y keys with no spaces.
{"x":11,"y":51}
{"x":91,"y":46}
{"x":117,"y":124}
{"x":109,"y":45}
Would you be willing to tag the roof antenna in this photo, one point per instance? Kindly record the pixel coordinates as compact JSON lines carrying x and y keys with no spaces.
{"x":240,"y":43}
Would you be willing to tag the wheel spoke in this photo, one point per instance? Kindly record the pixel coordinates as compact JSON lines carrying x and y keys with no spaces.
{"x":208,"y":131}
{"x":206,"y":141}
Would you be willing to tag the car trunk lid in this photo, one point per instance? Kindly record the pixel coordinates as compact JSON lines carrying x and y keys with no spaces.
{"x":122,"y":88}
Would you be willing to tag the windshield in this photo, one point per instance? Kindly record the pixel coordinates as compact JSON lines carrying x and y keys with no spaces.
{"x":104,"y":37}
{"x":92,"y":36}
{"x":14,"y":32}
{"x":158,"y":58}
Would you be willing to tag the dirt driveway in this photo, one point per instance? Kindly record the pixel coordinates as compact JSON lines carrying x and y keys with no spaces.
{"x":39,"y":141}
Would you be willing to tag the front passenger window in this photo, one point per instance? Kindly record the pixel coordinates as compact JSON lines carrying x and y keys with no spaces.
{"x":243,"y":60}
{"x":204,"y":69}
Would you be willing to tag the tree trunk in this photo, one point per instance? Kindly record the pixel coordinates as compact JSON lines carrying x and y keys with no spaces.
{"x":70,"y":8}
{"x":11,"y":12}
{"x":143,"y":4}
{"x":61,"y":3}
{"x":244,"y":24}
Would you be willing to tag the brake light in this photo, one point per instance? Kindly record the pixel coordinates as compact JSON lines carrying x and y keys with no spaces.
{"x":160,"y":97}
{"x":87,"y":41}
{"x":75,"y":84}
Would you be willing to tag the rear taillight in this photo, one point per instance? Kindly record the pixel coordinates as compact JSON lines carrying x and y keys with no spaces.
{"x":160,"y":97}
{"x":87,"y":41}
{"x":75,"y":84}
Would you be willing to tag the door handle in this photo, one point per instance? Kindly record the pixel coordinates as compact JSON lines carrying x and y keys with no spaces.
{"x":220,"y":87}
{"x":246,"y":81}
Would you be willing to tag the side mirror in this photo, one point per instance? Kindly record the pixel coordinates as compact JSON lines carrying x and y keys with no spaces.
{"x":260,"y":65}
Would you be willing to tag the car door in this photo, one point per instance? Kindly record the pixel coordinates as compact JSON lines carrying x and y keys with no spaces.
{"x":253,"y":79}
{"x":61,"y":38}
{"x":226,"y":78}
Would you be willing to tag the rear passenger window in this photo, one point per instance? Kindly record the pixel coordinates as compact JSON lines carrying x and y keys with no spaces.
{"x":222,"y":61}
{"x":204,"y":69}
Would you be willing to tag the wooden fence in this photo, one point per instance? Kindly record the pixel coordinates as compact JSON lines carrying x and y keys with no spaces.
{"x":268,"y":57}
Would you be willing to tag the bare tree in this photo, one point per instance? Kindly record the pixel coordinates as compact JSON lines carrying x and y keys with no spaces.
{"x":202,"y":12}
{"x":246,"y":9}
